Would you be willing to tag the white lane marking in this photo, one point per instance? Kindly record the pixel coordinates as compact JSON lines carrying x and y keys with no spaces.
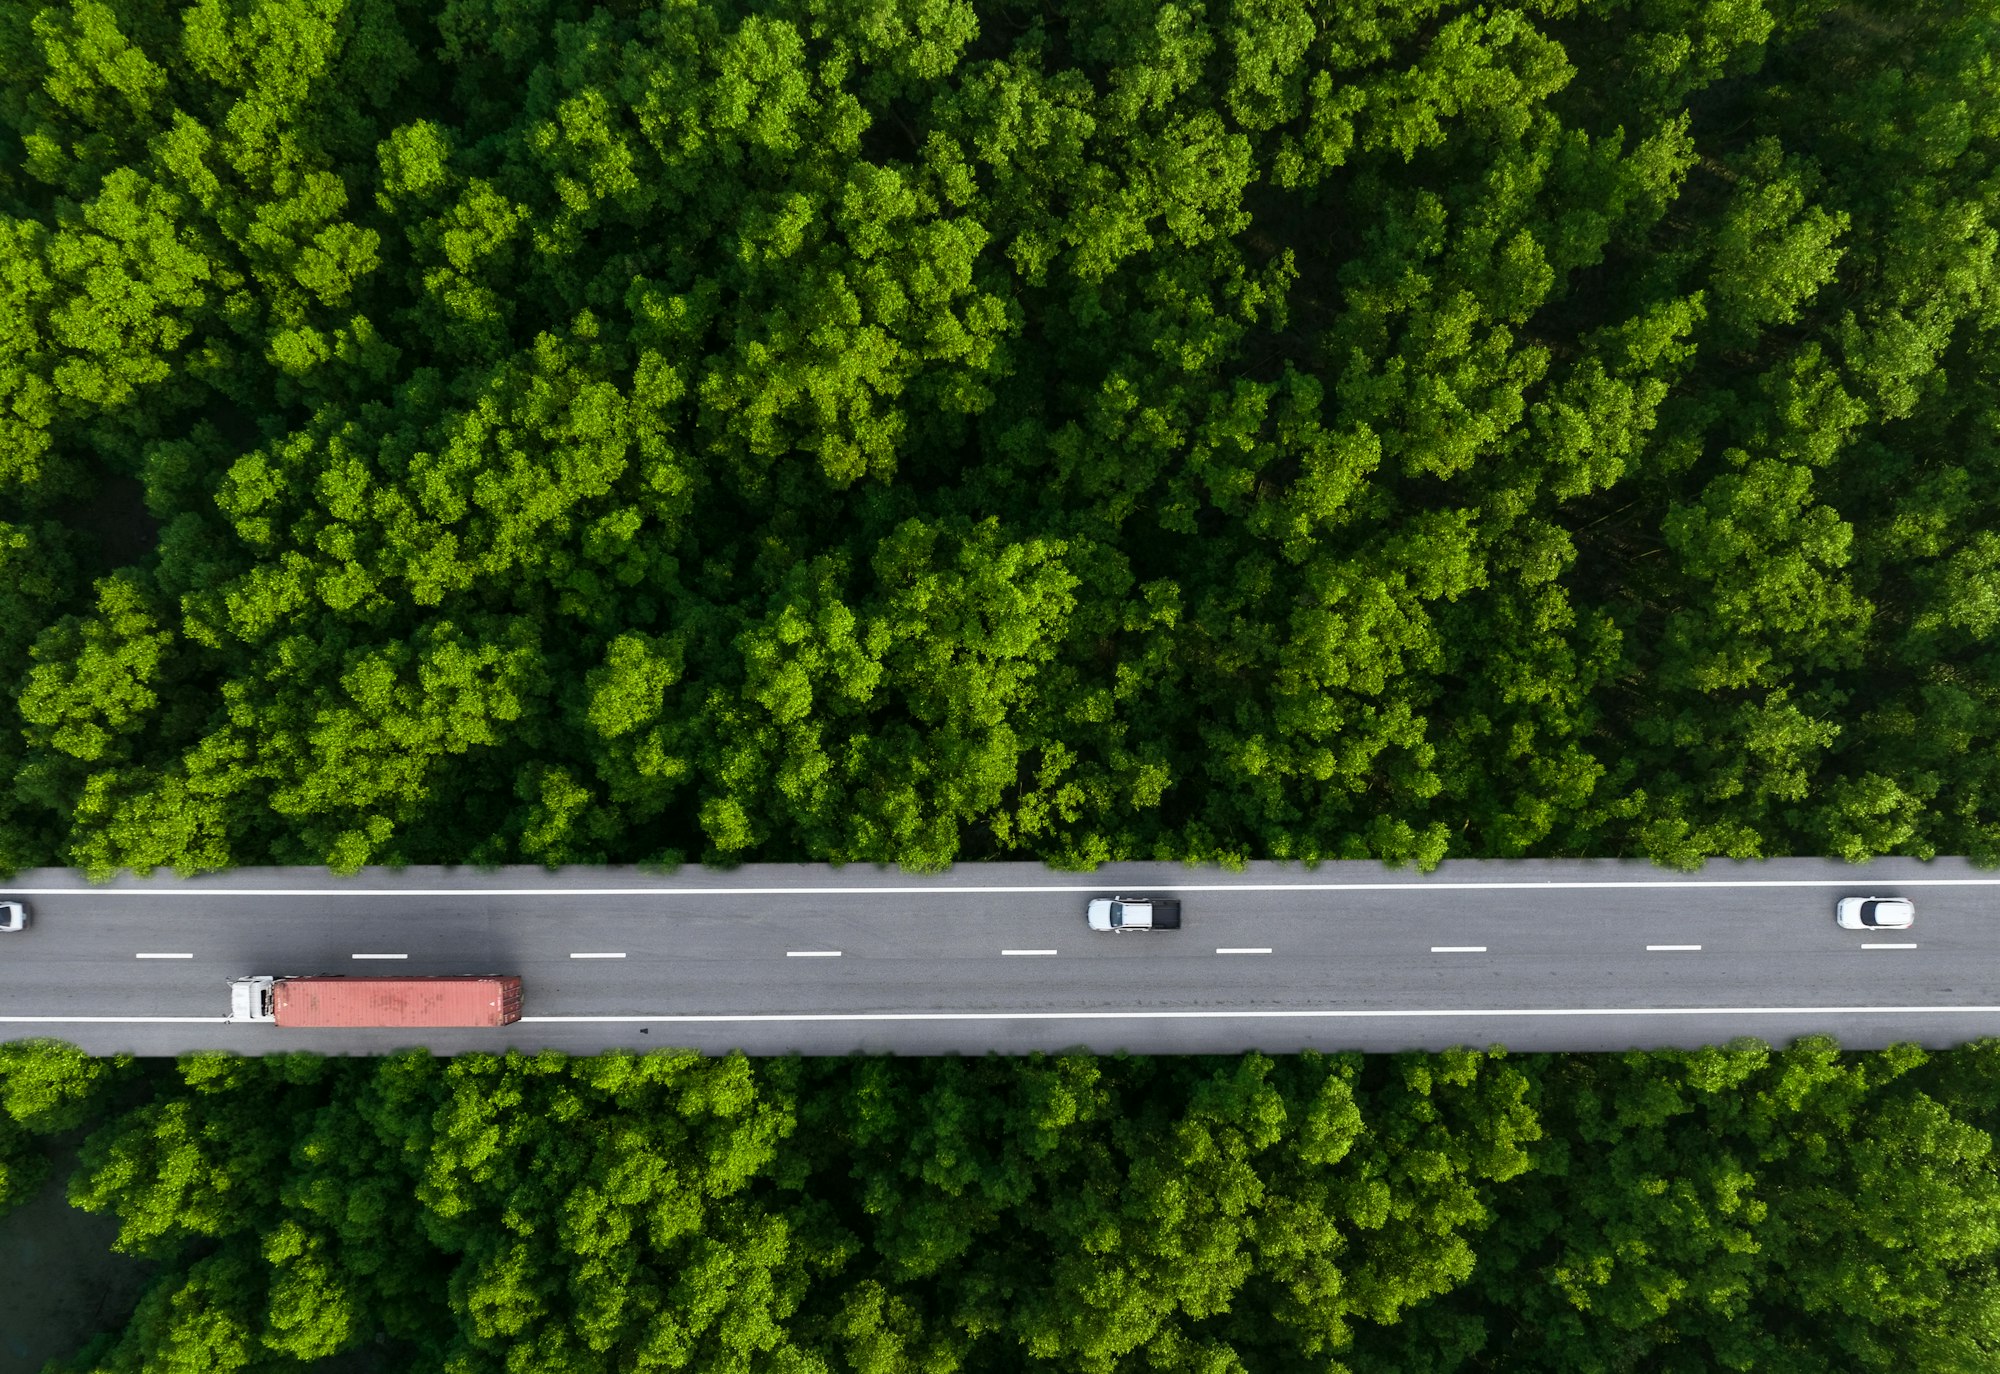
{"x":812,"y":954}
{"x":163,"y":956}
{"x":1673,"y":947}
{"x":597,"y":956}
{"x":1885,"y":945}
{"x":1027,"y":951}
{"x":1551,"y":884}
{"x":381,"y":956}
{"x":1244,"y":949}
{"x":1458,"y":949}
{"x":116,"y":1020}
{"x":1311,"y":1014}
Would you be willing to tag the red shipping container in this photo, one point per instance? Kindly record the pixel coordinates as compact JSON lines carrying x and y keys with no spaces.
{"x":462,"y":1001}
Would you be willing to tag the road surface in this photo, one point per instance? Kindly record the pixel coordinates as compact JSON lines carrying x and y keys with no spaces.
{"x":1567,"y":955}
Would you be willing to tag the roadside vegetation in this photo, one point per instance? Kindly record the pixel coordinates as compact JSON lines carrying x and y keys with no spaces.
{"x":529,"y":430}
{"x":1740,"y":1208}
{"x":916,"y":431}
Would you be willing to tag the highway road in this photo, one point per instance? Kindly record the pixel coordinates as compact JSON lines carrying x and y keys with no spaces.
{"x":1569,"y":955}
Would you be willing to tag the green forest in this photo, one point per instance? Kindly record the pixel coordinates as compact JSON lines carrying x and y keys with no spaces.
{"x":933,"y":431}
{"x":1798,"y":1212}
{"x":919,"y":431}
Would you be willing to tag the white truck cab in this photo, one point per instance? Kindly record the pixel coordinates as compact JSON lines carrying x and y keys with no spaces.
{"x":250,"y":999}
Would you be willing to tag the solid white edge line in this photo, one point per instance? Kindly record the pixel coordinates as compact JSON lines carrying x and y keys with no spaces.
{"x":597,"y":956}
{"x":379,"y":956}
{"x":1680,"y":949}
{"x":1399,"y":1014}
{"x":1458,"y":949}
{"x":117,"y":1020}
{"x":812,"y":954}
{"x":1243,"y":949}
{"x":163,"y":956}
{"x":1885,"y":945}
{"x":1551,"y":884}
{"x":1027,"y":951}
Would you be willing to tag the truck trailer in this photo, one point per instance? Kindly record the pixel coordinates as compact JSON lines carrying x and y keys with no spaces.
{"x":477,"y":1000}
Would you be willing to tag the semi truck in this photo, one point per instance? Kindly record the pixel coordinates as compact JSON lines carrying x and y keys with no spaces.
{"x":1135,"y":913}
{"x":478,"y":1000}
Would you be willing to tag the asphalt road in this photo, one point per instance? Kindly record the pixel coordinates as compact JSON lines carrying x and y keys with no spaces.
{"x":1597,"y":955}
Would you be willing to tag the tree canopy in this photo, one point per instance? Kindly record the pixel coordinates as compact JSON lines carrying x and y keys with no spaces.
{"x":534,"y":430}
{"x":1739,"y":1208}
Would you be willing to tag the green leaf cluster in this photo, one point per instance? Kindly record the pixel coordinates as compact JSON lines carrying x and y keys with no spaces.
{"x":924,"y":430}
{"x":47,"y":1088}
{"x":1739,"y":1208}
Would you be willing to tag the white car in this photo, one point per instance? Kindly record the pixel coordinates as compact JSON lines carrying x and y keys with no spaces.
{"x":13,"y":917}
{"x":1875,"y":913}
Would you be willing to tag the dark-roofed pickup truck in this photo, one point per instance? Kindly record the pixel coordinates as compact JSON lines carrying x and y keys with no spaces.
{"x":1135,"y":913}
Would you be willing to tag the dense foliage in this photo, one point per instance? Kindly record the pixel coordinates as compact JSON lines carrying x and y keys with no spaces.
{"x":920,"y":429}
{"x":1802,"y":1210}
{"x":45,"y":1090}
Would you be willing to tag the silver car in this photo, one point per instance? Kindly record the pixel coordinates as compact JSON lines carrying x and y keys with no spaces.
{"x":1875,"y":913}
{"x":13,"y":917}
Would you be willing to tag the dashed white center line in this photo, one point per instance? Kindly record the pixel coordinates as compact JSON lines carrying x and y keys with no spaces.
{"x":1458,"y":949}
{"x":1243,"y":949}
{"x":381,"y":956}
{"x":163,"y":956}
{"x":812,"y":954}
{"x":1884,"y":945}
{"x":597,"y":956}
{"x":1025,"y":952}
{"x":1682,"y":948}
